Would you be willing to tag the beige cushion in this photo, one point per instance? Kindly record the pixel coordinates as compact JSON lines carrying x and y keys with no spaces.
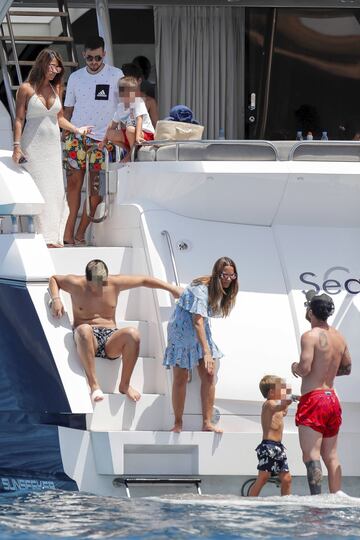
{"x":177,"y":131}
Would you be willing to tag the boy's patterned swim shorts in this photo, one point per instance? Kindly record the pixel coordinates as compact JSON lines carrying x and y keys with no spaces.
{"x":272,"y":457}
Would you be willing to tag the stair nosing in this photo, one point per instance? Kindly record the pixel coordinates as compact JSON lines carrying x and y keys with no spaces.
{"x":38,"y":13}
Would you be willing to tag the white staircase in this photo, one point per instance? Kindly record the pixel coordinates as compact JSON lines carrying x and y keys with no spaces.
{"x":128,"y":445}
{"x":126,"y":437}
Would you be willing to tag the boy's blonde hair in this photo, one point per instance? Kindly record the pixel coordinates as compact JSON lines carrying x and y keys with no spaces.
{"x":129,"y":83}
{"x":268,"y":382}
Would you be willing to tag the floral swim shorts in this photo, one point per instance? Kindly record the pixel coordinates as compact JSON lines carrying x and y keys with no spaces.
{"x":76,"y":147}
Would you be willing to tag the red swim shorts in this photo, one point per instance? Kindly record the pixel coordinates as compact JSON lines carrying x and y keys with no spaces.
{"x":321,"y":411}
{"x":146,"y":135}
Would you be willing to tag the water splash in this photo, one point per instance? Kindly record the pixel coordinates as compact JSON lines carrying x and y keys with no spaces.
{"x":54,"y":514}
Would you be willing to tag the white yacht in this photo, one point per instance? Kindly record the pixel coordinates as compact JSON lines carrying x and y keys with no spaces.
{"x":286,"y":211}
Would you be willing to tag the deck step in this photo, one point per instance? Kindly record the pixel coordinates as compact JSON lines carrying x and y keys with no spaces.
{"x":141,"y":453}
{"x":72,"y":260}
{"x":189,"y":453}
{"x":149,"y":376}
{"x":117,"y":412}
{"x":125,"y":481}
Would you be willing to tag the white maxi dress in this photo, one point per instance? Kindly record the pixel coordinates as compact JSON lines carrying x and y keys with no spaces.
{"x":41,"y":144}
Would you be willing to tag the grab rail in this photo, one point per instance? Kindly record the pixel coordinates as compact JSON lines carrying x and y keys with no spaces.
{"x":172,"y":256}
{"x":204,"y":142}
{"x":176,"y":275}
{"x":347,"y":146}
{"x":103,"y":177}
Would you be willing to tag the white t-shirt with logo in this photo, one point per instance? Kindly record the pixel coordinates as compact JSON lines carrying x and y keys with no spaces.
{"x":128,"y":115}
{"x":94,"y":98}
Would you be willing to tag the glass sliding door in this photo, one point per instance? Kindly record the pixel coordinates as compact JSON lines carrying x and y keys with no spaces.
{"x":302,"y":73}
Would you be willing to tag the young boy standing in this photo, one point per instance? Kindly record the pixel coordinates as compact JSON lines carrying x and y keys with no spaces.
{"x":131,"y":122}
{"x":271,"y":452}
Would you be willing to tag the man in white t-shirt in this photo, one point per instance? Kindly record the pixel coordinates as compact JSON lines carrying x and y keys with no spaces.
{"x":131,"y":122}
{"x":91,"y":93}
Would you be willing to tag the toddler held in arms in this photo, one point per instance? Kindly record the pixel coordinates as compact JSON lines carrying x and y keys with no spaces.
{"x":271,"y":452}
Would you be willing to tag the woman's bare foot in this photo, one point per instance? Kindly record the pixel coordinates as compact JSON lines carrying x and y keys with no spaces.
{"x":177,"y":427}
{"x":211,"y":427}
{"x":131,"y":393}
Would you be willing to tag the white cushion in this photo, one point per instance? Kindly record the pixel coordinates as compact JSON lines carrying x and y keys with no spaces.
{"x":177,"y":131}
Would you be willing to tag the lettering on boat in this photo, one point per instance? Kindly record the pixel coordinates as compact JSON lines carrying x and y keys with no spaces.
{"x":329,"y":284}
{"x":25,"y":484}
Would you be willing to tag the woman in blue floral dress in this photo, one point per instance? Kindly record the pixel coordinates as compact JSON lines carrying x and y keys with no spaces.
{"x":190,"y":342}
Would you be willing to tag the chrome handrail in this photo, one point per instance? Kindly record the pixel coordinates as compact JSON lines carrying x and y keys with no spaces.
{"x":176,"y":275}
{"x":167,"y":142}
{"x":172,"y":256}
{"x":331,"y":143}
{"x":87,"y":182}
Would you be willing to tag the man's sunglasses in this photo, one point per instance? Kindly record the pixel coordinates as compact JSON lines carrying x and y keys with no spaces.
{"x":90,"y":58}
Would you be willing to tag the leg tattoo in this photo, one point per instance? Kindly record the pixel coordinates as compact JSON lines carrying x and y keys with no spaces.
{"x":314,"y":476}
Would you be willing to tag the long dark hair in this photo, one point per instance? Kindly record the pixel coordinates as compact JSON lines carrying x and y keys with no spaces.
{"x":39,"y":69}
{"x":221,"y":301}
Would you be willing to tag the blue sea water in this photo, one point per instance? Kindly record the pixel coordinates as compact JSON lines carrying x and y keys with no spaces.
{"x":55,"y":514}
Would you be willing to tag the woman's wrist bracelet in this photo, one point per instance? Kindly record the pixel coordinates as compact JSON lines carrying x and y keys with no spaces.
{"x":16,"y":143}
{"x":55,"y":298}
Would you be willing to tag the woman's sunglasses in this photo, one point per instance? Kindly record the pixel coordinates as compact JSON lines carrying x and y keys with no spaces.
{"x":224,"y":275}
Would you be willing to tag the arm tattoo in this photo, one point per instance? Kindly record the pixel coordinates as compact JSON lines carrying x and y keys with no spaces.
{"x":314,"y":476}
{"x":343,"y":370}
{"x":323,"y":340}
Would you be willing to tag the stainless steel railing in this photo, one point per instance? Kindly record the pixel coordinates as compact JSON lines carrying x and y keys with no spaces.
{"x":176,"y":275}
{"x":272,"y":151}
{"x":172,"y":256}
{"x":101,"y":186}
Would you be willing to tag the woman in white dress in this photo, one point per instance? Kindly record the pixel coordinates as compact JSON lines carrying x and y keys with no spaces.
{"x":38,"y":148}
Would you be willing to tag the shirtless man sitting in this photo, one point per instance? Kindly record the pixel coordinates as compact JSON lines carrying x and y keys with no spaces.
{"x":324,"y":355}
{"x":94,"y":299}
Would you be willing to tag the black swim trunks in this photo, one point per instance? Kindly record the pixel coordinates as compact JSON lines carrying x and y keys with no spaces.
{"x":102,"y":335}
{"x":272,"y":457}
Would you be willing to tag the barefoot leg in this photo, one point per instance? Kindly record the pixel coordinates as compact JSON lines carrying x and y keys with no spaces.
{"x":285,"y":479}
{"x":180,"y":378}
{"x":86,"y":346}
{"x":207,"y":398}
{"x":261,"y":480}
{"x":125,"y":342}
{"x":75,"y":179}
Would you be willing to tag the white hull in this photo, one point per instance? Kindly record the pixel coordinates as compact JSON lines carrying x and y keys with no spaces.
{"x":278,"y":221}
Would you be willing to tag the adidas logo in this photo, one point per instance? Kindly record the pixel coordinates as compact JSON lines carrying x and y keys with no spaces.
{"x":102,"y":93}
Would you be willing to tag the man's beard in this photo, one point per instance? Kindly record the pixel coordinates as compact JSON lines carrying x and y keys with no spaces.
{"x":97,"y":69}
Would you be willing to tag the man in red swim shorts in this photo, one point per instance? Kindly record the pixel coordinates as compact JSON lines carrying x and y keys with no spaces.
{"x":324,"y":355}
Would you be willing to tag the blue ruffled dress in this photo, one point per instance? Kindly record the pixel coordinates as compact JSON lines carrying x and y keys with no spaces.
{"x":184,"y":349}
